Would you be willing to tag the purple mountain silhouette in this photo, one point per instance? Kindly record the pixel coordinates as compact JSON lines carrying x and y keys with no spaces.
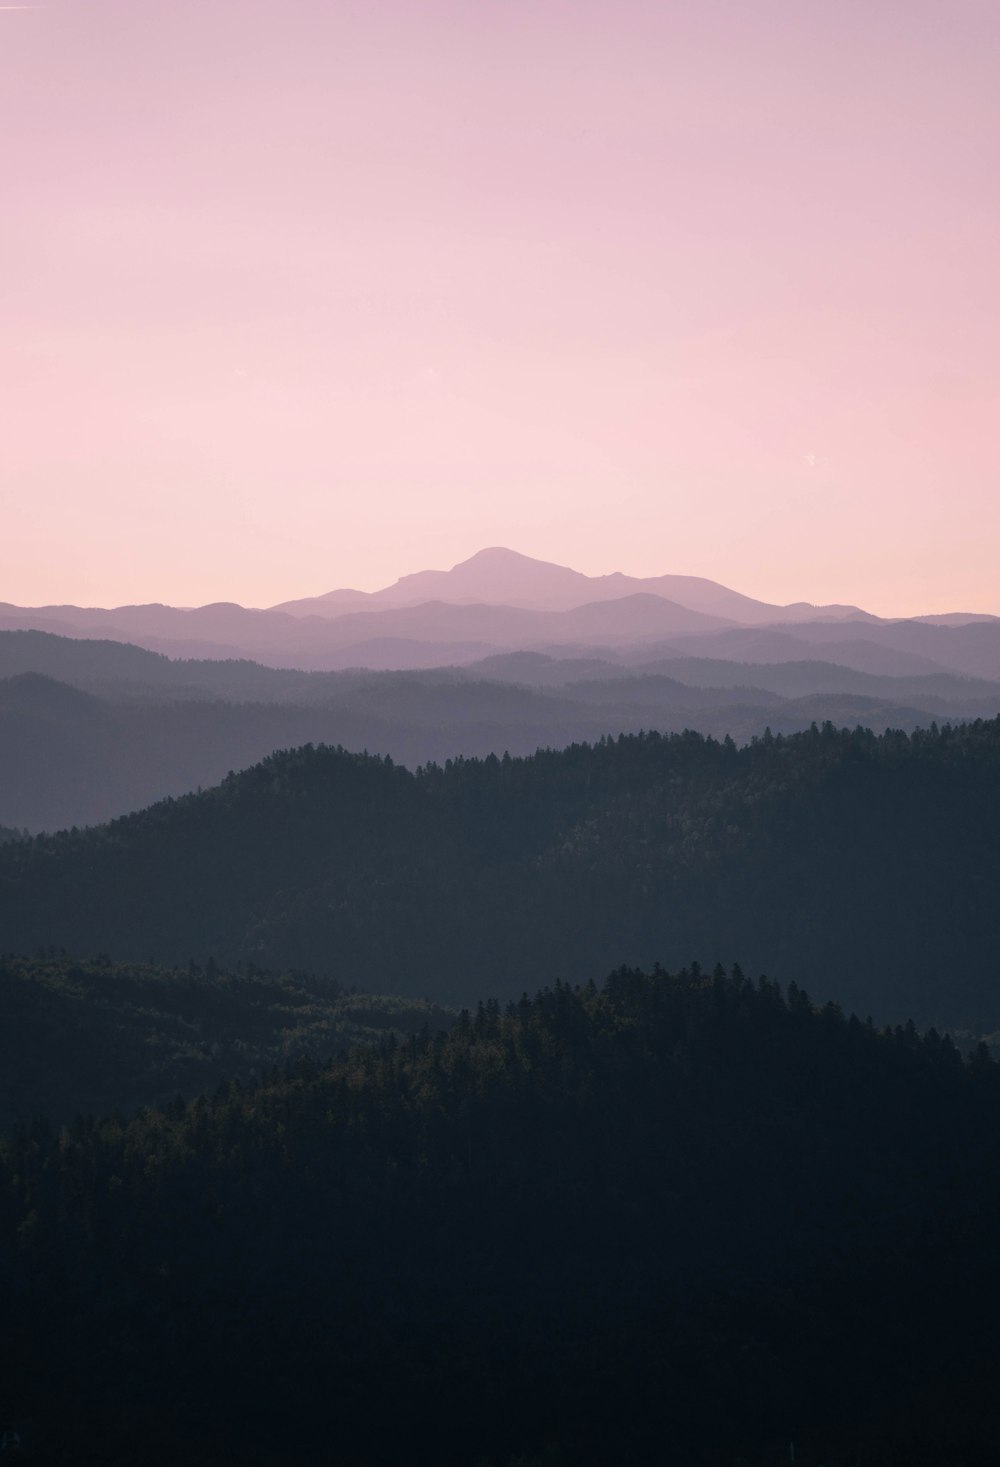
{"x":499,"y":576}
{"x":500,"y":601}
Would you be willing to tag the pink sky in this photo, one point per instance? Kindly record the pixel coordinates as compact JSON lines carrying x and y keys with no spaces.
{"x":314,"y":293}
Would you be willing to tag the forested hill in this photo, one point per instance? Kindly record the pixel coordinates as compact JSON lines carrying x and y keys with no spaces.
{"x":869,"y":865}
{"x":684,"y":1219}
{"x":96,"y":1036}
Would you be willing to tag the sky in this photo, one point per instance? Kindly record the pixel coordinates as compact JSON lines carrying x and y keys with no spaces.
{"x":316,"y":293}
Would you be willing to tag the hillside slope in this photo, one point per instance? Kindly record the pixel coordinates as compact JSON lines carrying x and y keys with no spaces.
{"x":871,"y":864}
{"x":89,"y":1037}
{"x":93,"y":730}
{"x":682,"y":1210}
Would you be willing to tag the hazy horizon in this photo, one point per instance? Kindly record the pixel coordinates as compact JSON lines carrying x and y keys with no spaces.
{"x":487,"y":597}
{"x":301,"y":299}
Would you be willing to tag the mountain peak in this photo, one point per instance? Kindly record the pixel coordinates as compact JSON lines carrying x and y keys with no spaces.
{"x":494,"y":554}
{"x":501,"y":557}
{"x":494,"y":575}
{"x":499,"y":576}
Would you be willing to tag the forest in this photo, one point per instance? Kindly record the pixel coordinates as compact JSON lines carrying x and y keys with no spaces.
{"x":91,"y":1037}
{"x":689,"y":1218}
{"x":864,"y":866}
{"x":281,"y":1185}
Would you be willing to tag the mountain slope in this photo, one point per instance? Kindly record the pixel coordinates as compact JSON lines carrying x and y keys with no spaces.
{"x":318,"y":642}
{"x":484,"y":876}
{"x":896,"y":648}
{"x":132,"y":727}
{"x":680,"y":1210}
{"x":88,"y":1037}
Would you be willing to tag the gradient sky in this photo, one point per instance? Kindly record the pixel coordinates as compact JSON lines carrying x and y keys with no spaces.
{"x":313,"y":293}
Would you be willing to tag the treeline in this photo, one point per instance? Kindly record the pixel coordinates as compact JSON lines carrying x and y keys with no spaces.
{"x":686,"y":1219}
{"x":871,"y":864}
{"x":90,"y":1037}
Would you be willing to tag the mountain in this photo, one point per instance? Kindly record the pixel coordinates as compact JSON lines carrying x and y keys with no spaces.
{"x":775,"y":644}
{"x":102,"y":728}
{"x":491,"y":876}
{"x":500,"y":601}
{"x":427,"y":632}
{"x":934,"y":692}
{"x":678,"y":1209}
{"x":123,"y":672}
{"x":438,"y":633}
{"x":624,"y":620}
{"x":891,"y":649}
{"x":971,"y":648}
{"x":957,"y":618}
{"x":504,"y":577}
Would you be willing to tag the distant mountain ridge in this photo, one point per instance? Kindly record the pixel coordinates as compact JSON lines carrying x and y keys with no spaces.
{"x":92,"y":729}
{"x":499,"y":601}
{"x":498,"y":576}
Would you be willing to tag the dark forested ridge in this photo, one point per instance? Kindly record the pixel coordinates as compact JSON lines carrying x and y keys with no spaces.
{"x":869,"y":865}
{"x":93,"y":1037}
{"x":685,"y":1220}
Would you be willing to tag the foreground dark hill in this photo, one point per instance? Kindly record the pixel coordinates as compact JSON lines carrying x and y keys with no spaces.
{"x":684,"y":1220}
{"x":96,"y":1036}
{"x":871,"y":864}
